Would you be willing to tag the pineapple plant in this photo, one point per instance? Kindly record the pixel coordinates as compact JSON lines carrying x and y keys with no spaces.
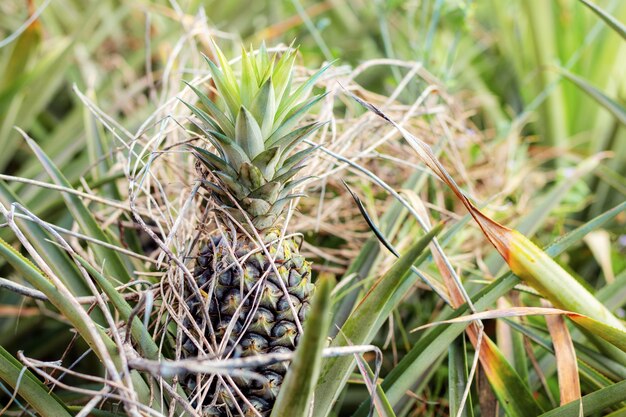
{"x":254,"y":286}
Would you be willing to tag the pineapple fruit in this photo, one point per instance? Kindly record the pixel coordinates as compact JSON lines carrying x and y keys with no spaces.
{"x":255,"y":287}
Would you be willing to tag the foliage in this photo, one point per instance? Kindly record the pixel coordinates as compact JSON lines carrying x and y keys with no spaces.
{"x":522,"y":102}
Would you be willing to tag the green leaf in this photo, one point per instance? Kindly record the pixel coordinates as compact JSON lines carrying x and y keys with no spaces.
{"x":232,"y":184}
{"x":141,"y":335}
{"x":264,"y":107}
{"x":251,"y":175}
{"x":279,"y":204}
{"x":106,"y":257}
{"x":292,"y":118}
{"x":562,"y":243}
{"x":248,"y":133}
{"x":362,"y":265}
{"x":608,"y":103}
{"x":38,"y":280}
{"x":366,"y":320}
{"x":262,"y":70}
{"x":288,"y":102}
{"x":225,"y":67}
{"x":615,"y":336}
{"x":457,"y":377}
{"x":30,"y":388}
{"x":283,"y":73}
{"x":249,"y":86}
{"x":593,"y":403}
{"x":266,"y":161}
{"x":544,"y":274}
{"x":597,"y":370}
{"x":219,"y":117}
{"x":615,"y":24}
{"x":21,"y":53}
{"x":283,"y":175}
{"x":75,"y":314}
{"x":212,"y":161}
{"x":532,"y":221}
{"x":436,"y":341}
{"x":202,"y":115}
{"x":263,"y":61}
{"x":512,"y":393}
{"x":95,"y":412}
{"x":380,"y":402}
{"x":290,"y":185}
{"x":37,"y":90}
{"x":227,"y":89}
{"x":613,"y":295}
{"x":268,"y":191}
{"x":256,"y":207}
{"x":295,"y":137}
{"x":295,"y":397}
{"x":295,"y":161}
{"x":234,"y":154}
{"x":619,"y":413}
{"x":54,"y":257}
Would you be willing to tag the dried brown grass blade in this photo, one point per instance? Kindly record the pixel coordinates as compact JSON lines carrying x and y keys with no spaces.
{"x":567,"y":366}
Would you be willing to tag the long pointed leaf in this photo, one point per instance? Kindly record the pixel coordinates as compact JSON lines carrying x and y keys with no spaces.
{"x":221,"y":119}
{"x":295,"y":398}
{"x":592,"y":403}
{"x":30,"y":388}
{"x":105,"y":256}
{"x":58,"y":261}
{"x":366,"y":320}
{"x":615,"y":24}
{"x":605,"y":101}
{"x":435,"y":342}
{"x":513,"y":395}
{"x":72,"y":312}
{"x":457,"y":377}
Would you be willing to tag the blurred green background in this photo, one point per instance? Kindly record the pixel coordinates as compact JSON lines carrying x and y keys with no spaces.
{"x":506,"y":57}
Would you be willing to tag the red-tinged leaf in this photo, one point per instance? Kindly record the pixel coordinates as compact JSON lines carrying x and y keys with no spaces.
{"x":24,"y":48}
{"x":431,"y":345}
{"x":566,"y":363}
{"x":511,"y":391}
{"x":524,"y":258}
{"x":513,"y":395}
{"x":533,"y":265}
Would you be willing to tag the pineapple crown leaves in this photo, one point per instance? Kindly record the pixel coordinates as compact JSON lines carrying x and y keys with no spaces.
{"x":254,"y":127}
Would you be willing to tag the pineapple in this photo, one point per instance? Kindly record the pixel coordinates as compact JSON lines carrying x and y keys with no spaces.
{"x":255,"y":286}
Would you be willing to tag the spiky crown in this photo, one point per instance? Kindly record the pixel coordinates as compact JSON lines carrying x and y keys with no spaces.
{"x":253,"y":125}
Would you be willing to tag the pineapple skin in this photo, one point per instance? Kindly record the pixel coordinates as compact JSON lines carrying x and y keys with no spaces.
{"x":263,"y":320}
{"x":252,"y":301}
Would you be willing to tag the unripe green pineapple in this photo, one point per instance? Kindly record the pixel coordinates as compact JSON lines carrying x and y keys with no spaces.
{"x":255,"y":296}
